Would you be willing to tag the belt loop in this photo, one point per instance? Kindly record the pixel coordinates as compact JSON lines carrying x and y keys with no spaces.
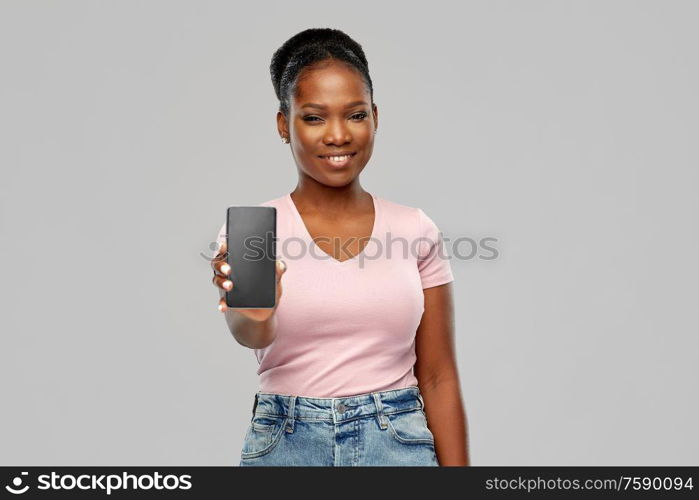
{"x":422,"y":402}
{"x":254,"y":407}
{"x":379,"y":411}
{"x":290,"y":420}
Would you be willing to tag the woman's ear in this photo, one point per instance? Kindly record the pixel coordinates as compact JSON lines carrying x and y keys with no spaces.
{"x":375,"y":111}
{"x":282,"y":125}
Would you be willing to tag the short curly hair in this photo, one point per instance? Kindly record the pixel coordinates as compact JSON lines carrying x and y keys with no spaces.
{"x":308,"y":48}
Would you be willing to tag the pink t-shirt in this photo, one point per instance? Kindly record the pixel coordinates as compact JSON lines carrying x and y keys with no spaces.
{"x":347,"y":328}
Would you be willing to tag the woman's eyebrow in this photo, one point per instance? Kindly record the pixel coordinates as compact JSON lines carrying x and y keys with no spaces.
{"x":320,"y":106}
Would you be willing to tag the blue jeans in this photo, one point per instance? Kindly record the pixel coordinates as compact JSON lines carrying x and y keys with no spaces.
{"x":371,"y":429}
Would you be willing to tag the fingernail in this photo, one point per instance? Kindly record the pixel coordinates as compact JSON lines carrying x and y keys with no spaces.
{"x":282,"y":265}
{"x":220,"y":307}
{"x":225,"y":268}
{"x":227,"y":285}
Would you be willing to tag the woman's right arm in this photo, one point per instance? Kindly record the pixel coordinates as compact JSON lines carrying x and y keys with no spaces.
{"x":247,"y":331}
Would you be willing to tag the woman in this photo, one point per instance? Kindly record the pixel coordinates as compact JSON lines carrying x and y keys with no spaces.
{"x":358,"y":326}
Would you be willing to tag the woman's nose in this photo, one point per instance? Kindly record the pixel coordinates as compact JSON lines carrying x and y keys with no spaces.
{"x":337,"y":133}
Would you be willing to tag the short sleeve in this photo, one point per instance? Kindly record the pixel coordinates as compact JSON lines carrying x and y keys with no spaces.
{"x":433,"y":262}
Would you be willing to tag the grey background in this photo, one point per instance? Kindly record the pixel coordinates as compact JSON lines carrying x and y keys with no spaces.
{"x":567,"y":130}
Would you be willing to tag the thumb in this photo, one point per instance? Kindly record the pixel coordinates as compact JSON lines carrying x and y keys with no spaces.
{"x":281,"y":268}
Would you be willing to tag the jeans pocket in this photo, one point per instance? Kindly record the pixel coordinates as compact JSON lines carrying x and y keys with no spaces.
{"x":410,"y":427}
{"x":263,"y":434}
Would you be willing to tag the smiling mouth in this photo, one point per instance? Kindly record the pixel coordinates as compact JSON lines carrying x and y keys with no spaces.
{"x":338,"y":161}
{"x":337,"y":157}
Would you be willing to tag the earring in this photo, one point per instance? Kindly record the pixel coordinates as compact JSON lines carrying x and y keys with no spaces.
{"x":285,"y":140}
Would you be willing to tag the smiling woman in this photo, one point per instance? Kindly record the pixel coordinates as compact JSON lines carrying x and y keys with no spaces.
{"x":358,"y":336}
{"x":326,"y":106}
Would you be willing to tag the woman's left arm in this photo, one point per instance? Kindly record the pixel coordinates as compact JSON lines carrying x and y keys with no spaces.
{"x":438,"y":377}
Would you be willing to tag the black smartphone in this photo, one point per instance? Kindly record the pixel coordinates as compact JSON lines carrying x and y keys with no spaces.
{"x":251,"y":237}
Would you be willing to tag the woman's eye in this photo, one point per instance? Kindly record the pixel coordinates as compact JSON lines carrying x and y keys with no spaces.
{"x":357,"y":116}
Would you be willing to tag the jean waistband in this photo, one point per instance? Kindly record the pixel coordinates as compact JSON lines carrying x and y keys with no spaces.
{"x":338,"y":408}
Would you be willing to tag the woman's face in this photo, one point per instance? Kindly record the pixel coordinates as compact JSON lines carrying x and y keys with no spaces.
{"x":331,"y":113}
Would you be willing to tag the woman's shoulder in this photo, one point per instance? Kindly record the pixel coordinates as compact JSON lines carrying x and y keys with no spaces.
{"x":403,"y":219}
{"x":396,"y":211}
{"x":394,"y":206}
{"x":409,"y":219}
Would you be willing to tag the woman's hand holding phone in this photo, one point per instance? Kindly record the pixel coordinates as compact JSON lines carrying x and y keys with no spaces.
{"x":222,"y":281}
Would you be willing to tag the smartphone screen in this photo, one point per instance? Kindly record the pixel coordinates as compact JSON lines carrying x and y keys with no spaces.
{"x":251,"y":238}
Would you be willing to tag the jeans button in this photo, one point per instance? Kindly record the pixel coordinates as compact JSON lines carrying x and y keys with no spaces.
{"x":341,"y":408}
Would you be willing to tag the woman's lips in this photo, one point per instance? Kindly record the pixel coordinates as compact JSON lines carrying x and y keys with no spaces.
{"x":346,"y":159}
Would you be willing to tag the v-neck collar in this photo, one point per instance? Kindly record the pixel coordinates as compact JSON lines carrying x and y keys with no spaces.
{"x":309,"y":238}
